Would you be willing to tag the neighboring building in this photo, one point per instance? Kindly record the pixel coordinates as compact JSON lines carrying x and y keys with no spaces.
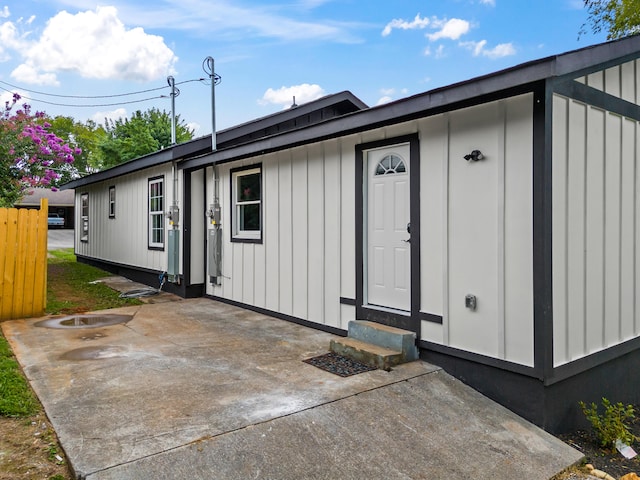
{"x":497,"y":218}
{"x":61,"y":203}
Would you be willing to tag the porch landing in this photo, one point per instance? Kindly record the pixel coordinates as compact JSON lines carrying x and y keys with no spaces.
{"x":202,"y":390}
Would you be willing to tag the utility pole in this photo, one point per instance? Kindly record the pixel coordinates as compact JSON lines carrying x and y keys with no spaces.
{"x":209,"y":69}
{"x":174,"y":93}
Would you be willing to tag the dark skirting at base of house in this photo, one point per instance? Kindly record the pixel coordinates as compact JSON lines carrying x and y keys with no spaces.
{"x":553,"y":407}
{"x":145,"y":276}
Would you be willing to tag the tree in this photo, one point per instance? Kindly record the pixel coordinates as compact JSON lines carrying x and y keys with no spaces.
{"x":30,"y":155}
{"x":144,"y":133}
{"x":619,"y":18}
{"x":85,"y":136}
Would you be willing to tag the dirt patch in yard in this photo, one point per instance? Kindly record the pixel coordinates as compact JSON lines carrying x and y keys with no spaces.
{"x":29,"y":449}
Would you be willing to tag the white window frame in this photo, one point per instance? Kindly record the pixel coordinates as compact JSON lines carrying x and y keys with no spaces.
{"x":236,"y":209}
{"x":84,"y":217}
{"x":156,"y":213}
{"x":112,"y":201}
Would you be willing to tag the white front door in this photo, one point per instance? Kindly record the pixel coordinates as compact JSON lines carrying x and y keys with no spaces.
{"x":388,"y":250}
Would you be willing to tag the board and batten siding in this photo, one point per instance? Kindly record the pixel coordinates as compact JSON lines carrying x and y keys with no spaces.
{"x":124,"y":238}
{"x":596,"y":267}
{"x":477,"y":228}
{"x":305,"y":262}
{"x":619,"y":81}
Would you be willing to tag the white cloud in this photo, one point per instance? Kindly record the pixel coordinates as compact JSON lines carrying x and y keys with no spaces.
{"x":119,"y":113}
{"x":284,"y":95}
{"x":388,"y":94}
{"x":437,"y":53}
{"x":499,"y":51}
{"x":491,"y":3}
{"x":94,"y":44}
{"x":416,"y":23}
{"x":452,"y":29}
{"x":27,"y":73}
{"x":4,"y":13}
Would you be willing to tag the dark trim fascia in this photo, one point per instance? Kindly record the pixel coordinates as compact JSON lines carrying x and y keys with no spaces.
{"x":478,"y":358}
{"x":419,"y":106}
{"x":430,"y":317}
{"x":411,"y":321}
{"x":608,"y":55}
{"x":281,"y":316}
{"x":593,"y":360}
{"x":597,"y":98}
{"x":348,"y":301}
{"x":542,"y":233}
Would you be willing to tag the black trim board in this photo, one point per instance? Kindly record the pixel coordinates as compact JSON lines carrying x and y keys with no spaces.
{"x":281,"y":316}
{"x":144,"y":275}
{"x":597,"y":98}
{"x":542,"y":234}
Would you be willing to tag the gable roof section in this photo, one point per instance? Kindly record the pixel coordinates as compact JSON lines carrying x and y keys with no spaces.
{"x":514,"y":80}
{"x":518,"y":79}
{"x":322,"y":109}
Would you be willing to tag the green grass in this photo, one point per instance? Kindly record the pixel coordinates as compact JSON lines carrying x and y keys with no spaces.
{"x":70,"y":288}
{"x":16,"y":398}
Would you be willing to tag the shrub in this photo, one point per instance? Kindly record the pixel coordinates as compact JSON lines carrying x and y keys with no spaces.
{"x":612,"y":424}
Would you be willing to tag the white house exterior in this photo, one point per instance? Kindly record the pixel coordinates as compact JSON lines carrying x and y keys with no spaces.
{"x":517,"y":271}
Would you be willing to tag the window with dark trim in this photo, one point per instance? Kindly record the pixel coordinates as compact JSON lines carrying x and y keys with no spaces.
{"x":112,"y":202}
{"x":246,"y":201}
{"x":156,"y":212}
{"x":84,"y":217}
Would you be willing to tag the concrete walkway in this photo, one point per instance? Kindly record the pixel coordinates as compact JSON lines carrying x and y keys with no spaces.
{"x":197,"y":389}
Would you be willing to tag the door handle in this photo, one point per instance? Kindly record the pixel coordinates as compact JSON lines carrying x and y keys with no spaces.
{"x":408,"y":240}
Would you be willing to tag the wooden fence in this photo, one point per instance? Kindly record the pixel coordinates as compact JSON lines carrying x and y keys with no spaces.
{"x":23,"y":261}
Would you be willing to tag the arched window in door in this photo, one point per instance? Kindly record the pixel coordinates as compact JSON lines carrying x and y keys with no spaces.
{"x":390,"y":164}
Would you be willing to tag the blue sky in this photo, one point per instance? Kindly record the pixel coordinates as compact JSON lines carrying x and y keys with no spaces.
{"x":266,"y":51}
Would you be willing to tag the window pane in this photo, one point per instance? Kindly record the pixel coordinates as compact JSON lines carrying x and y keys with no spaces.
{"x":249,"y":187}
{"x":249,"y":217}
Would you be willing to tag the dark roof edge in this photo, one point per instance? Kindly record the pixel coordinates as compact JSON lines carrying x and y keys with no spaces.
{"x":202,"y":145}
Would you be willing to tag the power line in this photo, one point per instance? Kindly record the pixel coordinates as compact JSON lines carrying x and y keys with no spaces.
{"x":81,"y":96}
{"x":84,"y":105}
{"x":93,"y":97}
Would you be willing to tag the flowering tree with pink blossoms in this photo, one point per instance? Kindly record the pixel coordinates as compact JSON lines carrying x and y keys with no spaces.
{"x":30,"y":155}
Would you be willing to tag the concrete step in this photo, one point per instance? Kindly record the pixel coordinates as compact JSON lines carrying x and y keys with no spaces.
{"x":385,"y":336}
{"x":363,"y":352}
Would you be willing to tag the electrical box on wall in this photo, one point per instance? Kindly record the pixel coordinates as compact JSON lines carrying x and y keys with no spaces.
{"x":214,"y":255}
{"x":174,"y":215}
{"x":173,"y":254}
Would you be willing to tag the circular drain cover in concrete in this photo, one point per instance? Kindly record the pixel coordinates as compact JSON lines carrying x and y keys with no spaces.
{"x":84,"y":320}
{"x":95,"y":353}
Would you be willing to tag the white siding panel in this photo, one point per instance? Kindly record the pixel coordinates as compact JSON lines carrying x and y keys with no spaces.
{"x":627,"y":233}
{"x":300,"y":213}
{"x":107,"y":241}
{"x":433,"y":155}
{"x":595,"y":234}
{"x":473,"y":264}
{"x":574,"y":248}
{"x":332,"y":226}
{"x":248,"y":273}
{"x":612,"y":229}
{"x":559,"y":225}
{"x":595,"y":229}
{"x":271,"y":230}
{"x":347,"y":221}
{"x":198,"y":223}
{"x":316,"y":204}
{"x":285,"y":225}
{"x":518,"y":230}
{"x":432,"y":332}
{"x":628,"y":75}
